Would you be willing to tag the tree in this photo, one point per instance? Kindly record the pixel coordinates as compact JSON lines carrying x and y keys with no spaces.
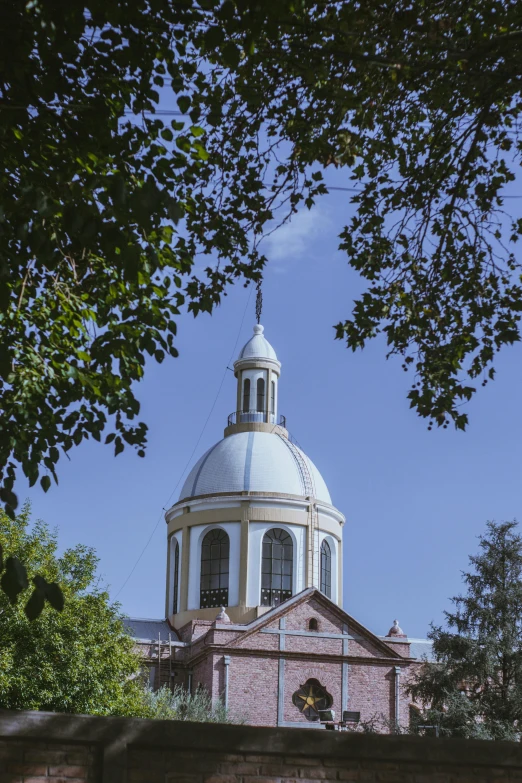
{"x":104,"y":205}
{"x":419,"y":103}
{"x":79,"y":660}
{"x":103,"y":208}
{"x":474,"y":688}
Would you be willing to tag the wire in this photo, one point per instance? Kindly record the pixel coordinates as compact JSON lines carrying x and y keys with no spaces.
{"x":359,"y":190}
{"x":189,"y":461}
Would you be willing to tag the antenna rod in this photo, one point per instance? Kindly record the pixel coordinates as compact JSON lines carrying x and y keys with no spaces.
{"x":259,"y":300}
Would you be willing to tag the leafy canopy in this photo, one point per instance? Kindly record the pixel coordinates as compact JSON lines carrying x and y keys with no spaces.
{"x":419,"y":104}
{"x":79,"y":660}
{"x":475,"y":687}
{"x":104,"y":204}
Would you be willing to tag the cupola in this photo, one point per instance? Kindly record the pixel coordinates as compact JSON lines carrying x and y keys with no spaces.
{"x":257,"y":370}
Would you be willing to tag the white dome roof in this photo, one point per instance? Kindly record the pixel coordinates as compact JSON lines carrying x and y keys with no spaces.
{"x":254,"y":462}
{"x":257,"y":347}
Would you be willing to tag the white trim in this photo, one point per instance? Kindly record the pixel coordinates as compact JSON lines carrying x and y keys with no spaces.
{"x":178,"y":536}
{"x":256,"y":534}
{"x":254,"y":499}
{"x":197,"y":533}
{"x":334,"y":549}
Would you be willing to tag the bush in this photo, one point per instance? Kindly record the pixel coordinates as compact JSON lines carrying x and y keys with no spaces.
{"x":179,"y":704}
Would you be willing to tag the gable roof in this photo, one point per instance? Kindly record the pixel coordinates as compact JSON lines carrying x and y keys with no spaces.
{"x":303,"y":597}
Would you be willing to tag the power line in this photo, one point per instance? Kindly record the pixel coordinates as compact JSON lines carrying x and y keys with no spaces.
{"x":189,"y":461}
{"x":360,"y":190}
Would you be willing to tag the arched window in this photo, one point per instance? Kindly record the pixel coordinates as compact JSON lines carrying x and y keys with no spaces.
{"x":214,"y":569}
{"x":176,"y":578}
{"x":246,"y":395}
{"x":313,"y":625}
{"x":272,"y":397}
{"x":260,"y":394}
{"x":276,"y":568}
{"x":326,"y":569}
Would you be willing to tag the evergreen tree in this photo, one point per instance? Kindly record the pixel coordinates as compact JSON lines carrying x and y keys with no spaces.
{"x":474,"y":689}
{"x":78,"y":660}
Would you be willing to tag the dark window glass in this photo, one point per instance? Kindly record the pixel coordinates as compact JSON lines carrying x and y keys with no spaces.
{"x":214,"y":569}
{"x":326,"y":569}
{"x":276,"y":567}
{"x":176,"y":577}
{"x":272,"y":398}
{"x":246,"y":395}
{"x":313,"y":624}
{"x":260,"y":394}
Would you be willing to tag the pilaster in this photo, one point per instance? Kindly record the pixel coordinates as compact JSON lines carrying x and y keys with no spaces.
{"x":243,"y":563}
{"x":185,"y":553}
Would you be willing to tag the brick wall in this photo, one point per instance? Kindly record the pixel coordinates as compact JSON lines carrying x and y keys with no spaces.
{"x":26,"y":761}
{"x":45,"y":748}
{"x":253,"y":689}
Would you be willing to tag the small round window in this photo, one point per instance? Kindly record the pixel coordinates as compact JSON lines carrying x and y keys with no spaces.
{"x":311,"y":698}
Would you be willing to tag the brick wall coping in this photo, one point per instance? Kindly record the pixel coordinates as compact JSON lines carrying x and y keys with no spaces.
{"x":113,"y":735}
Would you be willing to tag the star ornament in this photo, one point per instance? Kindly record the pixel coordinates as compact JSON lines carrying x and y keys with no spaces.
{"x":311,"y":698}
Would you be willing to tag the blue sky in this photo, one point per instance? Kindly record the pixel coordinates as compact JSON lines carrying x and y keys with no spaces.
{"x":414,"y":500}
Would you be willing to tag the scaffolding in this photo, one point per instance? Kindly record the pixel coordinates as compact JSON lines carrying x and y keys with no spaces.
{"x":161,"y":655}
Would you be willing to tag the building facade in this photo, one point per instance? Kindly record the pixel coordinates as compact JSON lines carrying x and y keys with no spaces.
{"x":253,"y":601}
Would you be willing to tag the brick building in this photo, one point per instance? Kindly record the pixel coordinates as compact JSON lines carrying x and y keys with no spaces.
{"x":254,"y":580}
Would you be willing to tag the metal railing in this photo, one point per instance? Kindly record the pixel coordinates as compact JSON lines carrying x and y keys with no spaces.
{"x":247,"y":417}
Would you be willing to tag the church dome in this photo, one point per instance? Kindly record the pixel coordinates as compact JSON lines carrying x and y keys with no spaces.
{"x":255,"y":462}
{"x":257,"y":347}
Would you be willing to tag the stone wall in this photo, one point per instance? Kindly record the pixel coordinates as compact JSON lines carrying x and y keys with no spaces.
{"x":49,"y":748}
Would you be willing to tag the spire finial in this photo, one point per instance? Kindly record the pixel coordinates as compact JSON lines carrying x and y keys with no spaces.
{"x":259,"y":300}
{"x":396,"y":630}
{"x":222,"y":617}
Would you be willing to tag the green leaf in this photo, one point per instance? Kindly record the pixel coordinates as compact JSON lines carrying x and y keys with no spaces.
{"x":54,"y":595}
{"x":14,"y":579}
{"x":176,"y":210}
{"x":201,"y":151}
{"x":231,"y":54}
{"x":35,"y":604}
{"x":214,"y":37}
{"x":184,"y":102}
{"x":1,"y":558}
{"x":45,"y":482}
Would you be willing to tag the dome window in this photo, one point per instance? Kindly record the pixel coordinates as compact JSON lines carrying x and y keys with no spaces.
{"x":260,"y":394}
{"x":326,"y":569}
{"x":277,"y":567}
{"x":214,"y":569}
{"x":313,"y":625}
{"x":272,"y":397}
{"x":176,"y":578}
{"x":246,"y":395}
